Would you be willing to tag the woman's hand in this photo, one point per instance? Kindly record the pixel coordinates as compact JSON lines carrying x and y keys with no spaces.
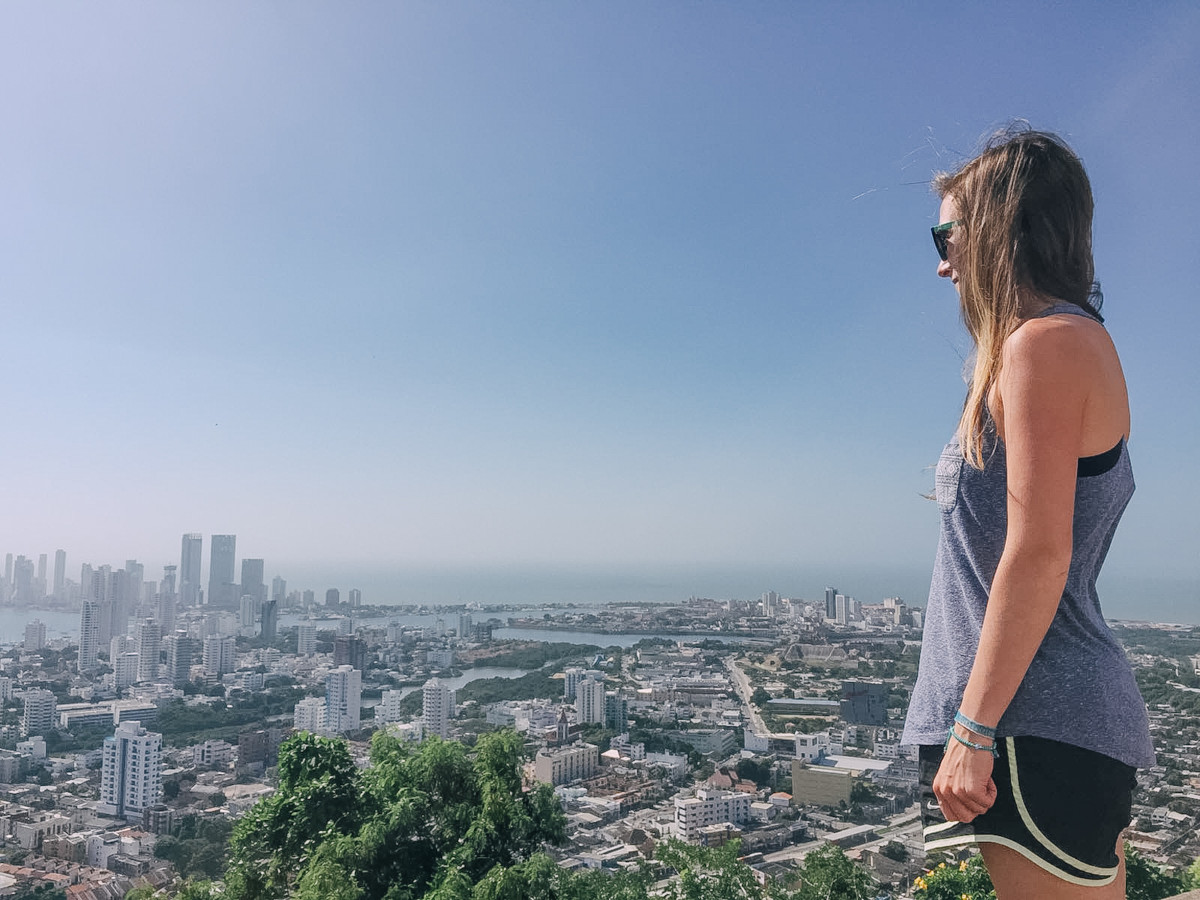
{"x":963,"y":784}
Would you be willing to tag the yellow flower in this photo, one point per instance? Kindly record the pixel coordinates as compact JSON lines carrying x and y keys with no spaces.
{"x":919,"y":883}
{"x":965,"y":897}
{"x":962,"y":866}
{"x":941,"y":865}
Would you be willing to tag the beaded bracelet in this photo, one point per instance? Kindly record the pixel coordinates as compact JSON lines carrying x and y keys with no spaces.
{"x":990,"y":748}
{"x":981,"y":730}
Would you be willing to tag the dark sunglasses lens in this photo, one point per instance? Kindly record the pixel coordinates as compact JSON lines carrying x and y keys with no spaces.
{"x":939,"y":241}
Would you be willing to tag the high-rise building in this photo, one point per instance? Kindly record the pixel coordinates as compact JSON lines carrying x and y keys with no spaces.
{"x":343,"y":700}
{"x":181,"y":649}
{"x":149,"y":646}
{"x":169,"y":582}
{"x":41,"y":589}
{"x":270,"y":620}
{"x":349,"y":650}
{"x":333,"y":597}
{"x":306,"y":639}
{"x":246,"y":611}
{"x":252,"y":582}
{"x":355,"y":598}
{"x":464,"y":626}
{"x":125,"y":669}
{"x":23,"y":582}
{"x":219,"y":650}
{"x":589,"y":701}
{"x":222,"y":590}
{"x":831,"y":602}
{"x":278,"y":590}
{"x":60,"y":574}
{"x":41,"y":710}
{"x":309,"y":715}
{"x":89,"y":636}
{"x":616,"y":712}
{"x":165,"y":611}
{"x":35,"y":635}
{"x":131,"y":777}
{"x":189,"y":569}
{"x":864,"y":702}
{"x":437,"y":707}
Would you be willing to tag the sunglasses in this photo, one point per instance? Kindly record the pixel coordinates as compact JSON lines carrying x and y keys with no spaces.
{"x":941,"y":234}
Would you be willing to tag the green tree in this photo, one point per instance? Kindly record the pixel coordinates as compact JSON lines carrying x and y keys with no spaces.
{"x":711,"y":873}
{"x":827,"y":874}
{"x":426,"y":822}
{"x":1146,"y":881}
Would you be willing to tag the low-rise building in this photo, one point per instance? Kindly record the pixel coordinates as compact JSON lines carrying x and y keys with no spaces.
{"x":566,"y":764}
{"x":709,"y":807}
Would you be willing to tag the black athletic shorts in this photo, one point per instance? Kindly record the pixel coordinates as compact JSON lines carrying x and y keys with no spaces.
{"x":1060,"y":806}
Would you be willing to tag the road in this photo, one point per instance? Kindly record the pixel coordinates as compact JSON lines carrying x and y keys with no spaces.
{"x":741,"y":683}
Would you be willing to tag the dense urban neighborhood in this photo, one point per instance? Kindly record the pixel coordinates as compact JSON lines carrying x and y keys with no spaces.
{"x":771,"y":727}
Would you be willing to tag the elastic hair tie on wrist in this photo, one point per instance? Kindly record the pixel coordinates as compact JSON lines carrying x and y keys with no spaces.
{"x":990,"y":748}
{"x":981,"y":730}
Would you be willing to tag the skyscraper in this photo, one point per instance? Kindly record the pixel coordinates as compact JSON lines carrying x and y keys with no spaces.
{"x":831,"y":602}
{"x":437,"y":707}
{"x":131,"y":777}
{"x":333,"y":597}
{"x":89,"y":636}
{"x":149,"y":643}
{"x":343,"y":700}
{"x":355,"y":598}
{"x":306,"y":638}
{"x":589,"y":701}
{"x":278,"y":589}
{"x":270,"y":620}
{"x":181,"y":652}
{"x":252,"y":582}
{"x":60,"y":574}
{"x":221,"y":590}
{"x":189,"y":569}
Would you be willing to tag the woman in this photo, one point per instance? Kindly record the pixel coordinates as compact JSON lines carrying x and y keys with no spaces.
{"x":1028,"y":716}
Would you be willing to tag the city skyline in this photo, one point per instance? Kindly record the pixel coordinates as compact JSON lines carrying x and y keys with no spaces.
{"x":603,"y":288}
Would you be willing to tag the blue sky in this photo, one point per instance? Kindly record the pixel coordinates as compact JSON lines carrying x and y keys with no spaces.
{"x":581,"y":284}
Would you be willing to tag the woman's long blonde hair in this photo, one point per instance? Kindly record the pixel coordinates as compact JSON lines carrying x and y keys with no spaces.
{"x":1024,"y":234}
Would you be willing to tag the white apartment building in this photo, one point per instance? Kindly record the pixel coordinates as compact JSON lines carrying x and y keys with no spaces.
{"x":40,"y":712}
{"x":149,"y":644}
{"x":35,"y":635}
{"x":709,"y":807}
{"x":812,"y":746}
{"x":343,"y":700}
{"x":437,"y":707}
{"x":89,"y":636}
{"x":131,"y":778}
{"x":306,"y":639}
{"x":388,"y":707}
{"x":125,"y":669}
{"x":219,"y":653}
{"x":309,"y":715}
{"x":589,"y":701}
{"x":566,"y":764}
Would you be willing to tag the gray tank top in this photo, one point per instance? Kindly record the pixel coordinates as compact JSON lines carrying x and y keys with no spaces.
{"x":1080,"y":688}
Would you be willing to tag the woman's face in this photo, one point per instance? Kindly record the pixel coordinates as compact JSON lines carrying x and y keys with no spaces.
{"x":948,"y":267}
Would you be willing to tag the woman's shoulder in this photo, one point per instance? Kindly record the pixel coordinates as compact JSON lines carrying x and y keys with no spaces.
{"x":1062,"y":341}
